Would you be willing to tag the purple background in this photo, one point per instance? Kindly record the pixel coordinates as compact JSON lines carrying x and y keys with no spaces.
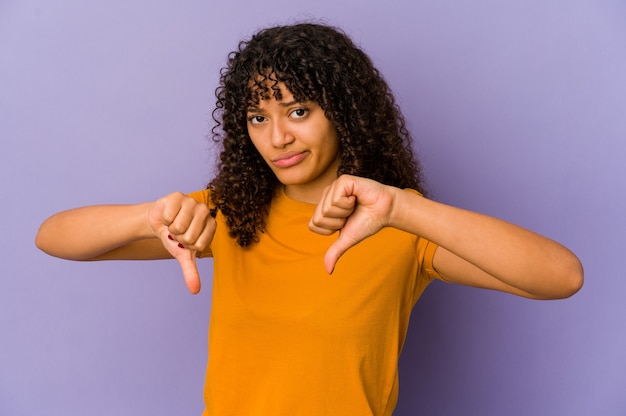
{"x":519,"y":110}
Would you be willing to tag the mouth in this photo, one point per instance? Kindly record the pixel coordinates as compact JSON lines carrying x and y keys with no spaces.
{"x":289,"y":159}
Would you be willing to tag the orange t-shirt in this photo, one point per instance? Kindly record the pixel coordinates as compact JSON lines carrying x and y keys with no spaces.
{"x":286,"y":338}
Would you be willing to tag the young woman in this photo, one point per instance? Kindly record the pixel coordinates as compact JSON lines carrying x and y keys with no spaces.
{"x":321,"y":237}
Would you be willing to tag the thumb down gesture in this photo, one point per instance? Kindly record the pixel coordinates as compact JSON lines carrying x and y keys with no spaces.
{"x":185,"y":228}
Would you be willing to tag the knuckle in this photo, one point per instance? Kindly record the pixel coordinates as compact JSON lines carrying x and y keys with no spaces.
{"x":199,"y":245}
{"x":187,"y":240}
{"x":167,"y":219}
{"x":177,"y":228}
{"x":203,"y":212}
{"x":315,"y":222}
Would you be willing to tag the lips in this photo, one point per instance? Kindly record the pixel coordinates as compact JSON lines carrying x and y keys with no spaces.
{"x":289,"y":159}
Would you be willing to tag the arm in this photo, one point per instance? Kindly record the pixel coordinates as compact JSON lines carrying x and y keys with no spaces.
{"x":475,"y":249}
{"x":174,"y":226}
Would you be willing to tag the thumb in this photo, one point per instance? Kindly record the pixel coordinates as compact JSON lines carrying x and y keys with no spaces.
{"x":187,"y":260}
{"x":335,"y":251}
{"x":185,"y":257}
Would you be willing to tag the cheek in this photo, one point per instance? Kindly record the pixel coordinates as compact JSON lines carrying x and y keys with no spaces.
{"x":333,"y":143}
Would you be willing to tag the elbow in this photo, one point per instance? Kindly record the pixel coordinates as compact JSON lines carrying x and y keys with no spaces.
{"x":44,"y":240}
{"x":570,"y":279}
{"x":41,"y":242}
{"x":561,"y":281}
{"x":575,"y":278}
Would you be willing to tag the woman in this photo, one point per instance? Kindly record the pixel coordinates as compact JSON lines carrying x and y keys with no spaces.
{"x":321,"y":237}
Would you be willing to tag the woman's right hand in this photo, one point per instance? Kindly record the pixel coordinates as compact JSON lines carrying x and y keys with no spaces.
{"x":146,"y":231}
{"x":185,"y":227}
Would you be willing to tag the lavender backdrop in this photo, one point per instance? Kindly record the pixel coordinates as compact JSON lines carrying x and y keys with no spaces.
{"x":519,"y":108}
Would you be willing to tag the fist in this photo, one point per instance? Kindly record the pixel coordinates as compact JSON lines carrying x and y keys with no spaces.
{"x":185,"y":228}
{"x":354,"y":206}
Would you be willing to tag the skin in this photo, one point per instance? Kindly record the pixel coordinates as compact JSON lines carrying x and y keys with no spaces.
{"x":475,"y":249}
{"x":300,"y":145}
{"x":132,"y":232}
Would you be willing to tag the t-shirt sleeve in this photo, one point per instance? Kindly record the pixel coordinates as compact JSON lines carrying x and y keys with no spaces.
{"x":425,"y":254}
{"x":426,"y":272}
{"x":203,"y":197}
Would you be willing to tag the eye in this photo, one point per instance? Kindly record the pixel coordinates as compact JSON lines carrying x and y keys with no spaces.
{"x":254,"y":120}
{"x":299,"y":112}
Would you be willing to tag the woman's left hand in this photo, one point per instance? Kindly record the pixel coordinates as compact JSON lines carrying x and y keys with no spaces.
{"x":354,"y":206}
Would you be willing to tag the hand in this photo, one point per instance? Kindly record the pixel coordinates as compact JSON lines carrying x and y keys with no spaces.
{"x":354,"y":206}
{"x":185,"y":227}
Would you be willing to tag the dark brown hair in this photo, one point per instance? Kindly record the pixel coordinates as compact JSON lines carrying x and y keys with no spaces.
{"x":319,"y":63}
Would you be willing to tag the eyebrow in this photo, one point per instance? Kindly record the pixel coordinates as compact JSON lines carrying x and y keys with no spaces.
{"x":280,"y":103}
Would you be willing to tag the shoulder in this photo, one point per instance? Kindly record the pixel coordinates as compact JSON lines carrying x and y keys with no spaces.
{"x":202,"y":196}
{"x":413,"y":191}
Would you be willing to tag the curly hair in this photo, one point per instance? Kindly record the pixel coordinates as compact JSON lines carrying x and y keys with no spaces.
{"x":318,"y":63}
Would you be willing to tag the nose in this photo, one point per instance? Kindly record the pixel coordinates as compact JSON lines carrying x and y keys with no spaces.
{"x":281,"y":135}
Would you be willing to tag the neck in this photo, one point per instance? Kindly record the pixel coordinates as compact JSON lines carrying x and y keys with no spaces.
{"x":303,"y":193}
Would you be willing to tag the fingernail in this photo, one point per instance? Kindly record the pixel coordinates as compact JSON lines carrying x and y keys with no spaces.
{"x":170,"y":236}
{"x":181,"y":245}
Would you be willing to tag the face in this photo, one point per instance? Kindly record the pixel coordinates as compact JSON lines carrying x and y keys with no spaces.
{"x":297,"y":142}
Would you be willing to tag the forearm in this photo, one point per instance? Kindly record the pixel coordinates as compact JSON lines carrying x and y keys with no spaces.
{"x":511,"y":254}
{"x":88,"y":232}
